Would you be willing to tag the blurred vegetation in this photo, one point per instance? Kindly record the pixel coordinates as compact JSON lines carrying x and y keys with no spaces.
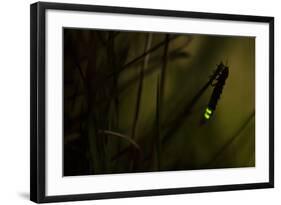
{"x":133,"y":102}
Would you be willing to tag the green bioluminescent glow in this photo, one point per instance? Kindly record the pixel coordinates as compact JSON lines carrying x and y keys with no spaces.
{"x":207,"y":116}
{"x":207,"y":113}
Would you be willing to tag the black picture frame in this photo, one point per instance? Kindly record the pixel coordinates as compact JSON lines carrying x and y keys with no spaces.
{"x":38,"y":103}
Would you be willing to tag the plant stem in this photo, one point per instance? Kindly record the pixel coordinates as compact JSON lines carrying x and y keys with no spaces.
{"x":160,"y":98}
{"x":140,"y":86}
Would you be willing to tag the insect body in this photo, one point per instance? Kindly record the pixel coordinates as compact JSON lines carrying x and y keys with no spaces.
{"x":218,"y":87}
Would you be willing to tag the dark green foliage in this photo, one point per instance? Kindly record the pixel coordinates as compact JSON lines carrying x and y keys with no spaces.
{"x":133,"y":102}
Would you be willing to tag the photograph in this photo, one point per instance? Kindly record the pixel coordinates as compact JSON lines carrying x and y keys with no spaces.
{"x":135,"y":101}
{"x":145,"y":101}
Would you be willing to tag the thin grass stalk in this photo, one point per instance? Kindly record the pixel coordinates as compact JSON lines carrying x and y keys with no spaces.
{"x":103,"y":41}
{"x":140,"y":87}
{"x":160,"y":99}
{"x":96,"y":146}
{"x":114,"y":103}
{"x":112,"y":56}
{"x":122,"y":136}
{"x":157,"y":143}
{"x":163,"y":72}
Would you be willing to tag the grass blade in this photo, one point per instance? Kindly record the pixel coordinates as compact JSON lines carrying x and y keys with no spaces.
{"x":122,"y":136}
{"x":157,"y":143}
{"x":139,"y":92}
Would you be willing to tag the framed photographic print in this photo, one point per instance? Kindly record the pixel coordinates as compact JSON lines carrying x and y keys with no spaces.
{"x":129,"y":102}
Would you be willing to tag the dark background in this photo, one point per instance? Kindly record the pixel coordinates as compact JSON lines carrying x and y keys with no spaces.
{"x":124,"y":115}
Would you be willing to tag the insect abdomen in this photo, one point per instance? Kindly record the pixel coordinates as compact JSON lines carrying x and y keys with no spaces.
{"x":216,"y":93}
